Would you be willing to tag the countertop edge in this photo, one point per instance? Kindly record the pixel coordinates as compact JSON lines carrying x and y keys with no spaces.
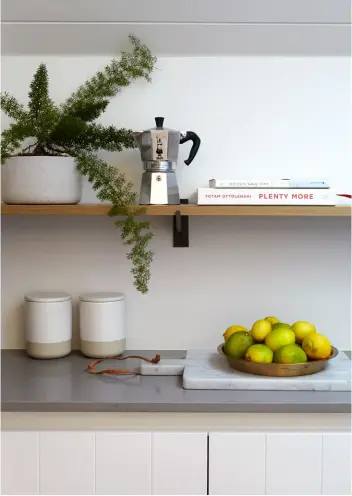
{"x":27,"y":386}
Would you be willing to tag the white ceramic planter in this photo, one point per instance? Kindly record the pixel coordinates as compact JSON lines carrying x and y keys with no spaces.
{"x":40,"y":180}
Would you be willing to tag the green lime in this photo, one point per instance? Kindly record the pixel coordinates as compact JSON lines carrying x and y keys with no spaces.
{"x":259,"y":353}
{"x":291,"y":353}
{"x":281,"y":336}
{"x":237,"y":344}
{"x":280,"y":324}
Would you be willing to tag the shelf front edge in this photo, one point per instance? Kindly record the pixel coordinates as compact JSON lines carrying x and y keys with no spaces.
{"x":193,"y":210}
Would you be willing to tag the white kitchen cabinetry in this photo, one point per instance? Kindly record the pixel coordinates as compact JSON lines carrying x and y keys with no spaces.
{"x":19,"y":463}
{"x":236,"y":463}
{"x":66,"y":462}
{"x":336,"y":464}
{"x":179,"y":463}
{"x":293,"y":463}
{"x":123,"y":463}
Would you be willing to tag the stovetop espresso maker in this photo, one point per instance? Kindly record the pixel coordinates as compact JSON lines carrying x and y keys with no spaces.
{"x":159,"y":151}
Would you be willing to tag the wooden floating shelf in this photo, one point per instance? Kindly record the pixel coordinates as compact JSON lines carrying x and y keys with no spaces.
{"x":190,"y":210}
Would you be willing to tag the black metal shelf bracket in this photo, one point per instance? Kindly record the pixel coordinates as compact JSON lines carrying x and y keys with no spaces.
{"x":181,"y":228}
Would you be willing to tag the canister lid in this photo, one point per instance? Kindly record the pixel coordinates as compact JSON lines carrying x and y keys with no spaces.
{"x":103,"y":297}
{"x":47,"y":296}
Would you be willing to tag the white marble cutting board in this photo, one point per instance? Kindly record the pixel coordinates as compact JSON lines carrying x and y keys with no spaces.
{"x":209,"y":370}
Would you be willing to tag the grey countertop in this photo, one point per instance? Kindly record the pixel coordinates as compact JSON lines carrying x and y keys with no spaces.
{"x":64,"y":385}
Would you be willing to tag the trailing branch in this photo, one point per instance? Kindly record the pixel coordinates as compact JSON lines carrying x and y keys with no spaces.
{"x":113,"y":188}
{"x":98,"y":137}
{"x":116,"y":75}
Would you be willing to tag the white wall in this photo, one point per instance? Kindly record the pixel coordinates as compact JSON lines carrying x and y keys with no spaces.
{"x":258,"y":117}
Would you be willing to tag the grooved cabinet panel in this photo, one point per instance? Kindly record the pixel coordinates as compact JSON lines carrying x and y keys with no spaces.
{"x":293,"y":463}
{"x":123,"y":463}
{"x":66,"y":462}
{"x":179,"y":463}
{"x":236,"y":463}
{"x":19,"y":463}
{"x":337,"y":461}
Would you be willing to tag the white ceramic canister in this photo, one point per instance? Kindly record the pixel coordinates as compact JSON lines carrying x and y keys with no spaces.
{"x":48,"y":324}
{"x":102,"y":324}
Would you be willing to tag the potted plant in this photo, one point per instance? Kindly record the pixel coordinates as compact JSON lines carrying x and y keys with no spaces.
{"x":48,"y":147}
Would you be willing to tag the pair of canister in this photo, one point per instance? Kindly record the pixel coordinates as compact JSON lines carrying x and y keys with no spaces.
{"x":48,"y":324}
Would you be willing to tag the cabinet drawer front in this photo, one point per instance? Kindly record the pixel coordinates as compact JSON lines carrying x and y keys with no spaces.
{"x":66,"y":462}
{"x":179,"y":463}
{"x":19,"y":463}
{"x":293,"y":463}
{"x":236,"y":463}
{"x":123,"y":463}
{"x":337,"y":461}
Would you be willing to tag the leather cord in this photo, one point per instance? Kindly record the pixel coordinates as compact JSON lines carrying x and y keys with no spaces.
{"x":92,"y":370}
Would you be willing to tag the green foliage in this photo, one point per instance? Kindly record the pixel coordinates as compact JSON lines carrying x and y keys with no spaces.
{"x":70,"y":129}
{"x":111,"y":186}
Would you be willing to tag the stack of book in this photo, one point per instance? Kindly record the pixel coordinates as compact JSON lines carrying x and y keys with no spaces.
{"x":267,"y":192}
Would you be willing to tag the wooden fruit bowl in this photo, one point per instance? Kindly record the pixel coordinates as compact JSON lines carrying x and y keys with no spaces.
{"x":278,"y":369}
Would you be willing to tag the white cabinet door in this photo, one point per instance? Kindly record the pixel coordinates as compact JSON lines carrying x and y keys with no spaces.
{"x":19,"y":463}
{"x":123,"y":463}
{"x":66,"y":462}
{"x":236,"y":463}
{"x":179,"y":463}
{"x":337,"y":461}
{"x":293,"y":463}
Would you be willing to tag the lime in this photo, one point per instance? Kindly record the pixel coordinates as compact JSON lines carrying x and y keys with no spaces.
{"x":279,"y":337}
{"x":260,"y":329}
{"x":280,"y":324}
{"x":237,"y":344}
{"x":234,"y":328}
{"x":302,"y":329}
{"x":291,"y":353}
{"x":259,"y":353}
{"x":316,"y":346}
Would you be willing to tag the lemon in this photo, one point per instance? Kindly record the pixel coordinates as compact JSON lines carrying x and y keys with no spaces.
{"x":234,"y":328}
{"x":291,"y":353}
{"x":237,"y":344}
{"x":272,"y":320}
{"x":302,"y":329}
{"x":280,"y":336}
{"x":260,"y":329}
{"x":259,"y":353}
{"x":280,"y":324}
{"x":316,"y":346}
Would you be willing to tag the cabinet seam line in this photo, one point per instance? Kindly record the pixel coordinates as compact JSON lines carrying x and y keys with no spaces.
{"x":94,"y":463}
{"x":321,"y":463}
{"x":208,"y":441}
{"x":265,"y":461}
{"x":38,"y":462}
{"x":151,"y":463}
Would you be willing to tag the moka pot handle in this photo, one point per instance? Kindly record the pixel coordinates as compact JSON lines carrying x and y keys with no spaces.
{"x":191,"y":136}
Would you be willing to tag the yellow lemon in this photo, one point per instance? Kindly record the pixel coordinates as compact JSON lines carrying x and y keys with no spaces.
{"x":279,"y":337}
{"x":316,"y":346}
{"x":260,"y":329}
{"x":272,"y":320}
{"x":259,"y":353}
{"x":302,"y":329}
{"x":234,"y":328}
